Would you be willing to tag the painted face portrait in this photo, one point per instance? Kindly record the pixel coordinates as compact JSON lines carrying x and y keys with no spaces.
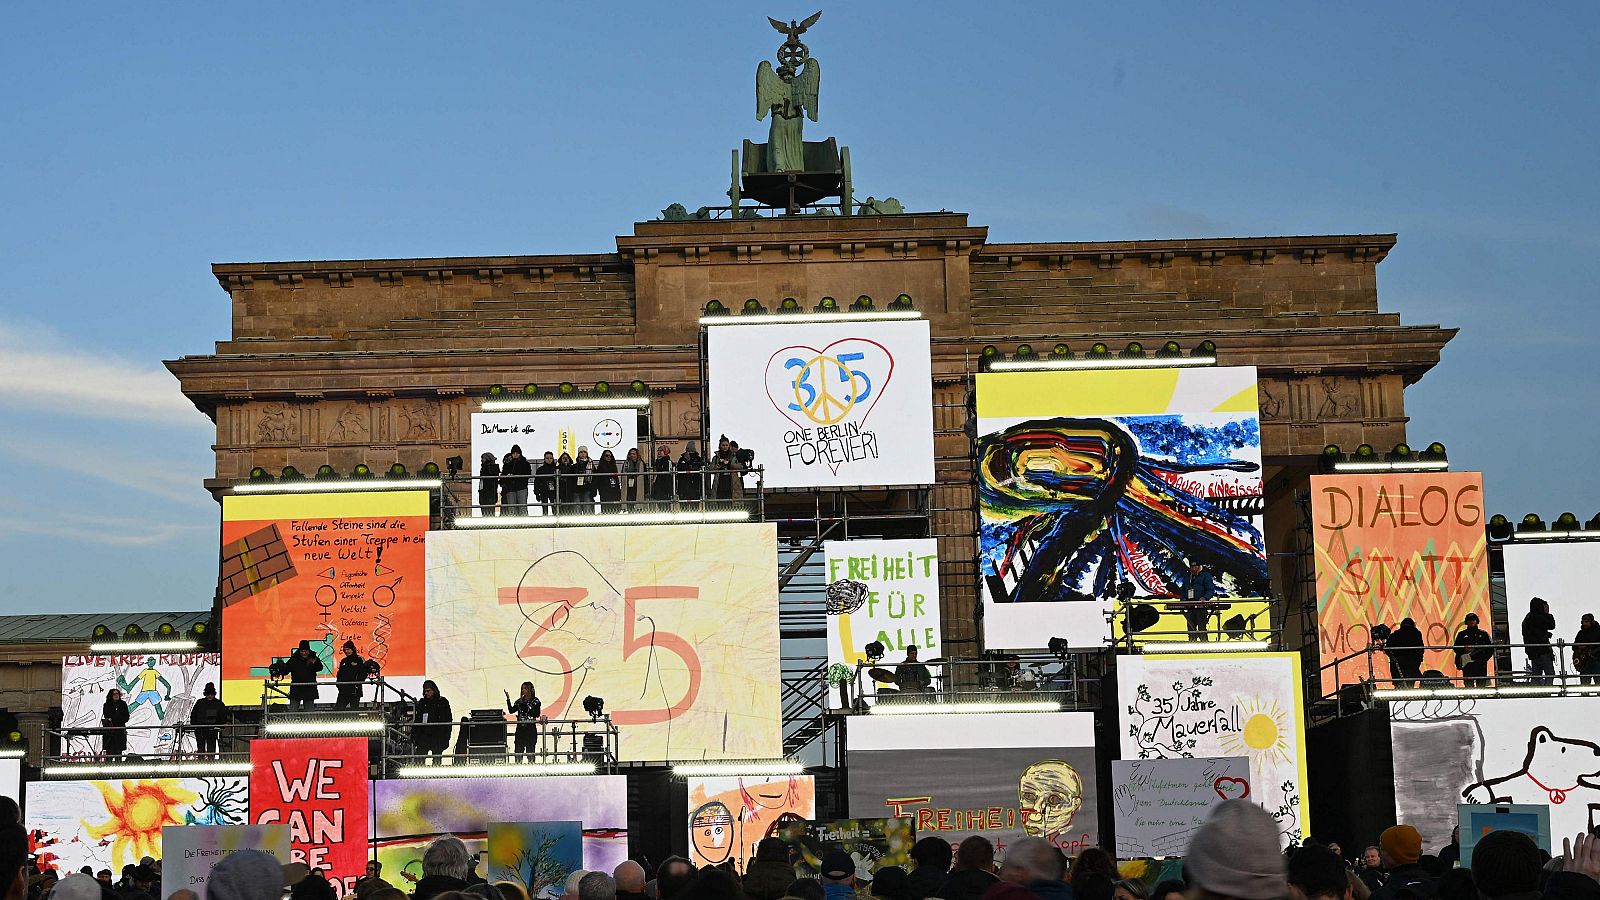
{"x":711,"y":832}
{"x":1049,"y":795}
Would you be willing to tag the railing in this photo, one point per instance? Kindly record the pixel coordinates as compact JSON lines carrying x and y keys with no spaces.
{"x":1220,"y":620}
{"x":574,"y":496}
{"x":487,"y":741}
{"x":84,"y":745}
{"x":1010,"y":678}
{"x":1378,"y":672}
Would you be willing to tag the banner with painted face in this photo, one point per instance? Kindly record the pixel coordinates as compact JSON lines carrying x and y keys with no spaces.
{"x":1010,"y":776}
{"x":900,"y":605}
{"x":825,"y":404}
{"x":1396,"y":546}
{"x":319,"y":788}
{"x":555,"y":431}
{"x":159,"y":688}
{"x":325,"y":569}
{"x":729,"y":815}
{"x":1139,"y":482}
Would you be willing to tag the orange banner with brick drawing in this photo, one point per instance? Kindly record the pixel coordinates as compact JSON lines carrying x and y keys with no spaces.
{"x":1393,"y":546}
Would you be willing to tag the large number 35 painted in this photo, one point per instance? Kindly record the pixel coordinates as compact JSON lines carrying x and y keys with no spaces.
{"x":802,"y":381}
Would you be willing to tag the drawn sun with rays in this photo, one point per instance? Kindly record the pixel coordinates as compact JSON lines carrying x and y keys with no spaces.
{"x":1265,"y":737}
{"x":137,"y":813}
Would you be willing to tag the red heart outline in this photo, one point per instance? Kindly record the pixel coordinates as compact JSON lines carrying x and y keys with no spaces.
{"x":1217,"y":786}
{"x":783,"y":408}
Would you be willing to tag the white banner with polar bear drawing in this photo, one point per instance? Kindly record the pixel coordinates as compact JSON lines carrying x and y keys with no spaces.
{"x":833,"y":404}
{"x":900,"y":606}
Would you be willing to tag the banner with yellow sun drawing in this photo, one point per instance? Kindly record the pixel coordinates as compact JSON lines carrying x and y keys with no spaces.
{"x":113,"y":823}
{"x":1242,"y":705}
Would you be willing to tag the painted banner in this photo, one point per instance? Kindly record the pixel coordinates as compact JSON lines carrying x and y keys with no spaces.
{"x":414,"y":811}
{"x":111,"y":824}
{"x":319,"y":788}
{"x":901,"y":605}
{"x":834,"y":404}
{"x":159,"y":688}
{"x":192,"y":851}
{"x":729,"y":816}
{"x":557,"y":431}
{"x":1561,"y":574}
{"x":873,"y":843}
{"x":1535,"y":750}
{"x":1095,"y":481}
{"x":536,"y":855}
{"x":11,"y":778}
{"x":1209,"y":705}
{"x":1159,"y":804}
{"x":1017,"y":775}
{"x":674,"y":626}
{"x":1394,"y":546}
{"x":324,"y":568}
{"x":1477,"y":820}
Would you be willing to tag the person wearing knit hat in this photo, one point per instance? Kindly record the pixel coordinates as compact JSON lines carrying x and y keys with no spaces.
{"x":350,"y":676}
{"x":1236,"y":854}
{"x":246,"y":875}
{"x":1400,"y":847}
{"x":1506,"y":864}
{"x":303,"y":666}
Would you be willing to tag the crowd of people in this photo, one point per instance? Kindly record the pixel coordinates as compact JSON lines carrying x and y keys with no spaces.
{"x":579,"y":484}
{"x":1235,"y":855}
{"x":1474,"y":649}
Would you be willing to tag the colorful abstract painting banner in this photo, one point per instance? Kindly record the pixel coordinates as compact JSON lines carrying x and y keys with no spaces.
{"x":319,"y":788}
{"x":825,"y":404}
{"x":900,"y":605}
{"x":729,"y":815}
{"x":1395,"y":546}
{"x":1235,"y":705}
{"x":674,"y":626}
{"x":159,"y":688}
{"x":324,"y":568}
{"x":1095,"y":482}
{"x":536,"y":855}
{"x":1015,"y":775}
{"x":110,"y":824}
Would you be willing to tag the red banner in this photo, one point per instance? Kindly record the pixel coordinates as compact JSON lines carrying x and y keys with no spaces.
{"x":319,"y":788}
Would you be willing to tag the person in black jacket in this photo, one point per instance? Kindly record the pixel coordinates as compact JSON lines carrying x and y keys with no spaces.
{"x":431,"y":723}
{"x":1536,"y":628}
{"x":303,"y":666}
{"x":1586,"y":650}
{"x":608,"y":482}
{"x":932,"y":856}
{"x":514,"y":475}
{"x":974,"y":871}
{"x":544,"y":484}
{"x":526,"y":707}
{"x":566,"y":485}
{"x":690,"y":464}
{"x":207,"y":718}
{"x":661,"y":479}
{"x":1472,"y":653}
{"x":350,"y":675}
{"x":488,"y":484}
{"x":1405,"y":654}
{"x":114,"y":718}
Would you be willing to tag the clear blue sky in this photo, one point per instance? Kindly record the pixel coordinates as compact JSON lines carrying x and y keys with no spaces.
{"x":143,"y":142}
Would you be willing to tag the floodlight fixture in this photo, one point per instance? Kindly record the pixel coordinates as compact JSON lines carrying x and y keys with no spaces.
{"x":496,"y":770}
{"x":325,"y":727}
{"x":398,"y":471}
{"x":863,"y":304}
{"x":902,"y":301}
{"x":752,"y":307}
{"x":789,"y":305}
{"x":715,"y":308}
{"x":594,"y":706}
{"x":325,"y":471}
{"x":874,"y":651}
{"x":290,"y":473}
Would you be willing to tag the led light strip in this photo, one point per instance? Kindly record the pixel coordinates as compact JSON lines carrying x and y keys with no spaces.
{"x":145,"y":647}
{"x":511,"y":405}
{"x":1410,"y":465}
{"x":13,"y":754}
{"x":637,"y":518}
{"x":173,"y":767}
{"x":347,"y":726}
{"x":897,"y":708}
{"x":493,"y":771}
{"x":787,"y":318}
{"x":762,"y":767}
{"x":1205,"y":647}
{"x":1583,"y":535}
{"x":334,"y":486}
{"x":1145,"y":362}
{"x":1510,"y":690}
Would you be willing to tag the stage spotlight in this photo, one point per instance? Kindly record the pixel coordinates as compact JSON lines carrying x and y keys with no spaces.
{"x":290,"y":473}
{"x":1364,"y":453}
{"x":827,"y":305}
{"x":166,"y":631}
{"x":133,"y":633}
{"x":567,"y":388}
{"x":325,"y":471}
{"x":430,"y":469}
{"x":602,"y":387}
{"x":1061,"y":351}
{"x":1531,"y":522}
{"x":100,"y":633}
{"x":1565,"y":522}
{"x":362,"y":470}
{"x":1593,"y":524}
{"x":715,"y":308}
{"x":1500,"y":527}
{"x":863,"y":304}
{"x":1169,"y":350}
{"x":398,"y":470}
{"x":752,"y":307}
{"x":1058,"y":647}
{"x":1400,"y":453}
{"x":874,"y":651}
{"x":594,"y":706}
{"x":1099,"y":350}
{"x":1024,"y":352}
{"x":198,"y":632}
{"x":1433,"y":451}
{"x":530,"y":389}
{"x":1205,"y":348}
{"x":496,"y":390}
{"x":789,"y":305}
{"x":901,"y":302}
{"x":638,"y":386}
{"x":454,"y":464}
{"x":1134,"y":350}
{"x":258,"y":474}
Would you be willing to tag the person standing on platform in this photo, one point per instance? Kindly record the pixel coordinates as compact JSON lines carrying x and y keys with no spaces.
{"x":661,"y":481}
{"x":690,"y":488}
{"x":207,"y":718}
{"x":1537,"y":626}
{"x":584,"y":486}
{"x":633,"y":488}
{"x":608,"y":482}
{"x":1586,"y":650}
{"x":544,"y":484}
{"x":1473,"y":652}
{"x":526,"y":708}
{"x":114,"y":719}
{"x":349,"y":677}
{"x":566,"y":485}
{"x":431,"y":723}
{"x":1199,"y":587}
{"x":488,"y":484}
{"x":1405,"y":654}
{"x":514,"y":475}
{"x":303,"y":666}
